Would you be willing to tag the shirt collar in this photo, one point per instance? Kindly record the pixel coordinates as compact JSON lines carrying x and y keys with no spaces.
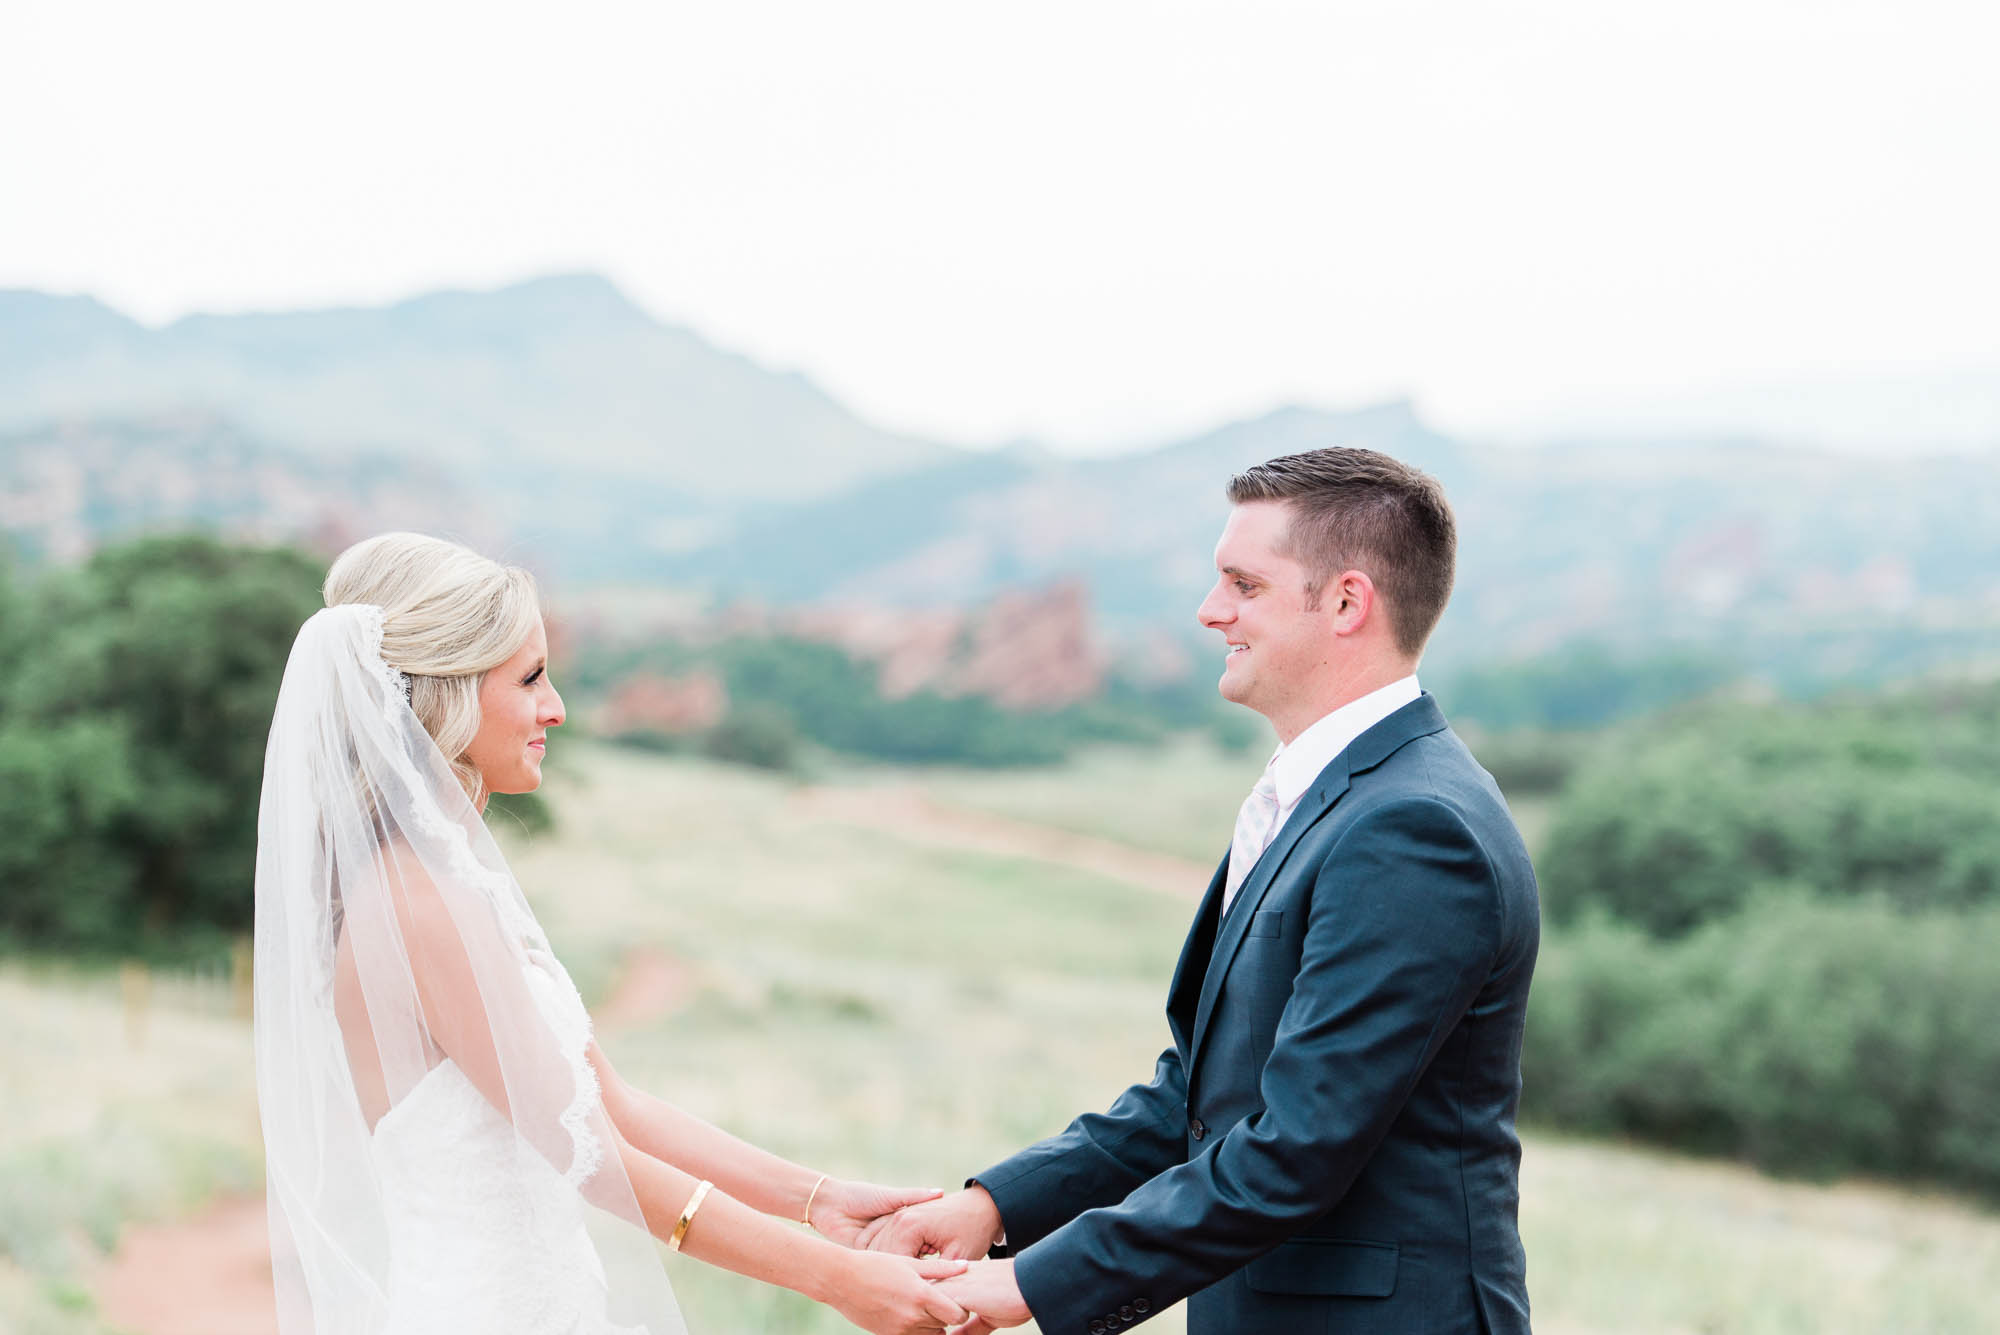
{"x":1297,"y":764}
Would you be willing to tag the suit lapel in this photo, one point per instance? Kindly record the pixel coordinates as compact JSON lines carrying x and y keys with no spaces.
{"x":1420,"y":718}
{"x":1229,"y":937}
{"x":1193,"y":966}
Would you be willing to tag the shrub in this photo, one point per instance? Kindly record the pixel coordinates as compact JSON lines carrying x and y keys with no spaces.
{"x":1580,"y":686}
{"x":834,"y":700}
{"x":1674,"y":824}
{"x":1528,"y":763}
{"x":755,"y":734}
{"x":1800,"y":1035}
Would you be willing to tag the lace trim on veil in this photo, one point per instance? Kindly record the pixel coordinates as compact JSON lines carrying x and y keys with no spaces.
{"x":586,"y":1148}
{"x":397,"y":683}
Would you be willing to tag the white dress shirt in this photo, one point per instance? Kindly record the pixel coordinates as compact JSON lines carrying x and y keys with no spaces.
{"x":1295,"y":764}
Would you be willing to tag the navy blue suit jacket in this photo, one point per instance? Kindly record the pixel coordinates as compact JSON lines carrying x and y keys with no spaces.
{"x":1329,"y":1144}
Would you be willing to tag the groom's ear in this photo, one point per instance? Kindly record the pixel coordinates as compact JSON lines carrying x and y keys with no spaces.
{"x":1350,"y":602}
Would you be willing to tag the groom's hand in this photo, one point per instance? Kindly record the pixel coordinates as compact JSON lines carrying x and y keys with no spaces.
{"x":990,"y":1294}
{"x":842,"y":1210}
{"x":961,"y":1226}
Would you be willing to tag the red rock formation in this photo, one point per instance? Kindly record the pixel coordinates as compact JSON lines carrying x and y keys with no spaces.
{"x":1031,"y":651}
{"x":1028,"y":650}
{"x":648,"y":703}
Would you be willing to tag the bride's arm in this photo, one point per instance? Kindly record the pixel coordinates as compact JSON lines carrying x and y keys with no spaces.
{"x":730,"y":1234}
{"x":467,"y":1009}
{"x":754,"y":1176}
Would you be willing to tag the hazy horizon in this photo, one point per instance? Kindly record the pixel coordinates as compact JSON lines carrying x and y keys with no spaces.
{"x":1967,"y":420}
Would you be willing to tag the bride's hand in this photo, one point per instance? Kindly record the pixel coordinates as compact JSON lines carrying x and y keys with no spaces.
{"x":842,"y":1209}
{"x":893,"y":1295}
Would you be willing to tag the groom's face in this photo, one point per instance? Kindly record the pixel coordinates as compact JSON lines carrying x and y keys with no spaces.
{"x":1277,"y":646}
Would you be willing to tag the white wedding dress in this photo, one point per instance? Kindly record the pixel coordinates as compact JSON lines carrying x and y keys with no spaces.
{"x":475,"y":1244}
{"x":390,"y":932}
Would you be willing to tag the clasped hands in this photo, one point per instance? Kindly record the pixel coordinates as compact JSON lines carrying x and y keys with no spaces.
{"x":961,"y":1226}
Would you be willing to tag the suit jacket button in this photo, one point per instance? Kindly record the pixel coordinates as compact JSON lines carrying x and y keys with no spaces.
{"x":1195,"y":1126}
{"x":1125,"y":1313}
{"x":1096,"y":1328}
{"x":1141,"y":1306}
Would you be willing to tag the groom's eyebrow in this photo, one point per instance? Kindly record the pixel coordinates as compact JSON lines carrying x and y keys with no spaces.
{"x":1240,"y":573}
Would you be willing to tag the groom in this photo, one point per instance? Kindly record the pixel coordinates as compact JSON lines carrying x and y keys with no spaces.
{"x":1329,"y":1145}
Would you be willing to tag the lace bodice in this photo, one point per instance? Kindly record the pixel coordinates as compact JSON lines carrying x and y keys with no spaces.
{"x":485,"y":1235}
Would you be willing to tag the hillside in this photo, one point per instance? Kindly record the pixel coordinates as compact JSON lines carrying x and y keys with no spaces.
{"x":67,"y":488}
{"x":1800,"y":566}
{"x":557,"y":421}
{"x":523,"y":391}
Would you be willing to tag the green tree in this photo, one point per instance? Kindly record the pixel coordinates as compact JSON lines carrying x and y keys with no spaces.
{"x":1680,"y":821}
{"x":1580,"y":686}
{"x":756,"y":734}
{"x":11,"y":622}
{"x":834,"y":700}
{"x":132,"y":746}
{"x":1799,"y":1034}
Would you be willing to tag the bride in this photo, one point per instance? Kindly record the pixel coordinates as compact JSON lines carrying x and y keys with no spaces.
{"x":447,"y":1149}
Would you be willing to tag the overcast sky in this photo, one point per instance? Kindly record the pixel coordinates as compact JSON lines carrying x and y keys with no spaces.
{"x":1095,"y":223}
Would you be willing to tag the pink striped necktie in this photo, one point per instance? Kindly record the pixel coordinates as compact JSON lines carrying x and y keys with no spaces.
{"x":1256,"y":823}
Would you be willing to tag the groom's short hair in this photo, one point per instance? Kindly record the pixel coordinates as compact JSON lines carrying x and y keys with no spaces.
{"x":1355,"y":509}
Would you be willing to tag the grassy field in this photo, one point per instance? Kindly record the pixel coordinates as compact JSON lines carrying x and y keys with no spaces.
{"x":109,"y":1124}
{"x":1180,"y":799}
{"x":882,"y":1005}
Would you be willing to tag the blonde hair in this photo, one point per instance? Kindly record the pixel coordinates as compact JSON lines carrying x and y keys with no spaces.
{"x":449,"y":616}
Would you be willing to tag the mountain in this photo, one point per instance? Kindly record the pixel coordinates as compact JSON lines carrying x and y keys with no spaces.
{"x":559,"y":424}
{"x":982,"y":523}
{"x":66,"y":489}
{"x":1793,"y":564}
{"x":517,"y":393}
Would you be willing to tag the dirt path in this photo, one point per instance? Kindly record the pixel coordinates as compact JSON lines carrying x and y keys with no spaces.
{"x":651,"y":985}
{"x":908,"y":814}
{"x":210,"y":1275}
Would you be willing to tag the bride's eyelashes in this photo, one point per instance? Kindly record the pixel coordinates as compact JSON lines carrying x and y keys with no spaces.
{"x":534,"y":676}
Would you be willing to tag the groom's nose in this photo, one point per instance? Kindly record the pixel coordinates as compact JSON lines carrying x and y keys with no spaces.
{"x":1214,"y":612}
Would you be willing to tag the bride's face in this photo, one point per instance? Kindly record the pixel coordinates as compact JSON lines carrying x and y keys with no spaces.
{"x":517,"y":707}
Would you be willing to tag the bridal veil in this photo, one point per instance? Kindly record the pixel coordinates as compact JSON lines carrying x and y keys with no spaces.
{"x":392,"y":941}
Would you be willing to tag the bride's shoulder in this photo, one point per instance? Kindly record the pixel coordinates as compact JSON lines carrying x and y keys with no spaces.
{"x":432,"y":907}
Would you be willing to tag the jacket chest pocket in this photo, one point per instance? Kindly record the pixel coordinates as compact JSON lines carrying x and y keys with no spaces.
{"x":1262,"y":978}
{"x":1268,"y":960}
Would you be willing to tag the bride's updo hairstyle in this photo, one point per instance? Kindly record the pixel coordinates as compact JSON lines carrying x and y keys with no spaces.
{"x":449,"y":615}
